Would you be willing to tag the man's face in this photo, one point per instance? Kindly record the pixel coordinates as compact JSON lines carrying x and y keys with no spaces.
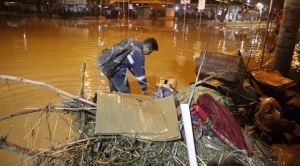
{"x":147,"y":50}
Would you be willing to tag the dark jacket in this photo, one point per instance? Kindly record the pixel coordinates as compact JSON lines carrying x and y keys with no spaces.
{"x":135,"y":61}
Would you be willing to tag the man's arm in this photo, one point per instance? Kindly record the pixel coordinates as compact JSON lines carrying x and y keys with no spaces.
{"x":137,"y":63}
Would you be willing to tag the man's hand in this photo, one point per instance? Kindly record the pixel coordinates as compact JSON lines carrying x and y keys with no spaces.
{"x":145,"y":92}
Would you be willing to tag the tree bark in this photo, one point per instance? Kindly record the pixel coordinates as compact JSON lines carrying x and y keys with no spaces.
{"x":287,"y":37}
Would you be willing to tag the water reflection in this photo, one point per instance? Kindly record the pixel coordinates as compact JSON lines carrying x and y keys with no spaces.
{"x":242,"y":47}
{"x":197,"y":48}
{"x":296,"y":59}
{"x":25,"y":40}
{"x":175,"y":26}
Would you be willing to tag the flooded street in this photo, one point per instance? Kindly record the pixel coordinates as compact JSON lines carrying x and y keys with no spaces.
{"x":53,"y":51}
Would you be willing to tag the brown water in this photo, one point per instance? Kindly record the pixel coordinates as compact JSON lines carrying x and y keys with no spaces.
{"x":52,"y":51}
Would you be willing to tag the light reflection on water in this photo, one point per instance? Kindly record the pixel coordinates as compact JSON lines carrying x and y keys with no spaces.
{"x":53,"y":51}
{"x":296,"y":59}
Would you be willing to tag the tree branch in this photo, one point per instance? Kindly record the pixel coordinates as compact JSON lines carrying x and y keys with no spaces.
{"x":47,"y":86}
{"x":28,"y":111}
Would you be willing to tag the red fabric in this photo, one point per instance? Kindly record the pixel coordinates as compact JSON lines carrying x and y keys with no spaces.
{"x":199,"y":113}
{"x":223,"y":122}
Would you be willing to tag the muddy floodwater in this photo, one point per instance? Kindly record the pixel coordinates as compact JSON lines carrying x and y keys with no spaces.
{"x":53,"y":51}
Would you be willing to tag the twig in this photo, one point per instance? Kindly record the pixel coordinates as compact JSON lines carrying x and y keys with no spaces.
{"x":34,"y":127}
{"x":203,"y":163}
{"x":28,"y":111}
{"x":111,"y":163}
{"x":174,"y":151}
{"x":56,"y":148}
{"x":64,"y":150}
{"x":50,"y":133}
{"x":75,"y":142}
{"x":35,"y":156}
{"x":63,"y":118}
{"x":179,"y":161}
{"x":82,"y":80}
{"x":38,"y":129}
{"x":27,"y":122}
{"x":124,"y":151}
{"x":220,"y":159}
{"x":78,"y":109}
{"x":70,"y":129}
{"x":83,"y":134}
{"x":5,"y":137}
{"x":47,"y":86}
{"x":9,"y":91}
{"x":54,"y":131}
{"x":163,"y":148}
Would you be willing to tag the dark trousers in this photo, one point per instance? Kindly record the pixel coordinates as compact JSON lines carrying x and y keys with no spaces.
{"x":119,"y":83}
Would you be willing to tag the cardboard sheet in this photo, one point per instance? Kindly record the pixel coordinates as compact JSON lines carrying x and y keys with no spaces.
{"x":137,"y":116}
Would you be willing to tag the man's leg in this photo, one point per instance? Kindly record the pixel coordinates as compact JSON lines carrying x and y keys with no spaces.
{"x":112,"y":87}
{"x":118,"y":83}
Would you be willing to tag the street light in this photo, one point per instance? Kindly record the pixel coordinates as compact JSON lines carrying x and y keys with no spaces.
{"x":260,"y":6}
{"x":248,"y":2}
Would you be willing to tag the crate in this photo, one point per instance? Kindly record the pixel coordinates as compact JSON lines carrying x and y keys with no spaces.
{"x":166,"y":82}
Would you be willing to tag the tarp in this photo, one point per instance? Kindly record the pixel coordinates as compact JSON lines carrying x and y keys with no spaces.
{"x":138,"y":116}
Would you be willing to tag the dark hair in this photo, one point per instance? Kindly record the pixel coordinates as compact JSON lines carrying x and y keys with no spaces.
{"x":151,"y":43}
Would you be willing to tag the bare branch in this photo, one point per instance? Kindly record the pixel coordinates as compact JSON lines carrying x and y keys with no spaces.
{"x":49,"y":129}
{"x":5,"y":137}
{"x":82,"y":80}
{"x":47,"y":86}
{"x":28,"y":111}
{"x":9,"y":91}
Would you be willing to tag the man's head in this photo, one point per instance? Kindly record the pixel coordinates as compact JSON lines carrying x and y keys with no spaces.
{"x":150,"y":45}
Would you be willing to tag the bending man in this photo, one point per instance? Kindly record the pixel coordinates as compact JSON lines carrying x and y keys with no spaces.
{"x":134,"y":62}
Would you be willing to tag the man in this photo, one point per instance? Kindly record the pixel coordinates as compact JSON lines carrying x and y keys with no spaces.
{"x":134,"y":62}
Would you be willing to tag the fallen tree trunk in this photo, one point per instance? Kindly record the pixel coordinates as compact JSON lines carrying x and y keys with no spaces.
{"x":47,"y":86}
